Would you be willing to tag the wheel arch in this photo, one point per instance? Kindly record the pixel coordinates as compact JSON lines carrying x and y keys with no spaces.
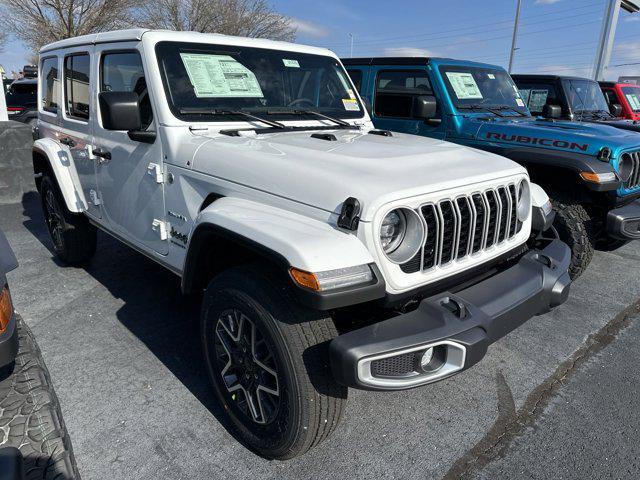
{"x":232,"y":231}
{"x":51,"y":158}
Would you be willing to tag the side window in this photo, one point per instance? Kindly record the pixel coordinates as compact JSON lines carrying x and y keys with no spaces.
{"x":50,"y":85}
{"x":396,"y":89}
{"x":356,"y":78}
{"x":537,"y":95}
{"x":76,"y":86}
{"x":123,"y":72}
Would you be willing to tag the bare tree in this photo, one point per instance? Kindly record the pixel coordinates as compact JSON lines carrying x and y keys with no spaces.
{"x":248,"y":18}
{"x":37,"y":22}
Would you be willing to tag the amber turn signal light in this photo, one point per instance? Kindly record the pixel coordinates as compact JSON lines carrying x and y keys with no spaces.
{"x":6,"y":308}
{"x":598,"y":177}
{"x":305,"y":279}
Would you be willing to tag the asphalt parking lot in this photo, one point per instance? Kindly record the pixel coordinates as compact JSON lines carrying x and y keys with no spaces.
{"x":557,"y":398}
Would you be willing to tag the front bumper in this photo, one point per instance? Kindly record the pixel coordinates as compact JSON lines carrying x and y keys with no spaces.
{"x":459,"y":326}
{"x":9,"y":343}
{"x":624,"y":222}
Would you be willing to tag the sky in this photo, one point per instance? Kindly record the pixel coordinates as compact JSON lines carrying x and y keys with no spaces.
{"x":555,"y":36}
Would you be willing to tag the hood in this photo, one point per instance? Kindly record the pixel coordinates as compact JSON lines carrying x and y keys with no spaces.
{"x":577,"y":137}
{"x":632,"y":125}
{"x":323,"y":173}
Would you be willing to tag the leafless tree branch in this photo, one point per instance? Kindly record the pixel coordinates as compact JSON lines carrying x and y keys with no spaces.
{"x":248,"y":18}
{"x":38,"y":22}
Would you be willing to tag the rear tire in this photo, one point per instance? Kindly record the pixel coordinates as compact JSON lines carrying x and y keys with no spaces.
{"x":74,"y":238}
{"x":244,"y":304}
{"x":575,"y":227}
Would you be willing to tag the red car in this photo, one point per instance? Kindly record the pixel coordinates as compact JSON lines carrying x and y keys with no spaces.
{"x":627,"y":95}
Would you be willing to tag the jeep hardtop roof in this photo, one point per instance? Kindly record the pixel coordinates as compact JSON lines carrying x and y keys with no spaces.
{"x":544,"y":76}
{"x":412,"y":61}
{"x":137,"y":34}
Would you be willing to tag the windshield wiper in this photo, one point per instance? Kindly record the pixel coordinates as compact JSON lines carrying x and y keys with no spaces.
{"x":475,"y":106}
{"x":215,"y":111}
{"x":342,"y":123}
{"x":511,"y":109}
{"x":601,"y":114}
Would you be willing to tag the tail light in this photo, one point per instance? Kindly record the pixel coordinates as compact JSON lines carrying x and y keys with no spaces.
{"x":14,"y":110}
{"x":6,"y":308}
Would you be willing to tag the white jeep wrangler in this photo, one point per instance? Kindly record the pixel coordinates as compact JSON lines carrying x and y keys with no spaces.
{"x":330,"y":254}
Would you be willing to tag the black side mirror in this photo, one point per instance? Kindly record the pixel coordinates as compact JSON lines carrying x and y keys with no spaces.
{"x":551,"y":111}
{"x":120,"y":111}
{"x":424,"y":107}
{"x":616,"y":109}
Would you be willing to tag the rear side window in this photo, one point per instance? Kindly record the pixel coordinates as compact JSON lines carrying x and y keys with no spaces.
{"x":123,"y":72}
{"x":50,"y":85}
{"x":356,"y":78}
{"x":76,"y":86}
{"x":537,"y":95}
{"x":396,"y":89}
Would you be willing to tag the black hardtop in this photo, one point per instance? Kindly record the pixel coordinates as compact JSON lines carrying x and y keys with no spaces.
{"x":386,"y":61}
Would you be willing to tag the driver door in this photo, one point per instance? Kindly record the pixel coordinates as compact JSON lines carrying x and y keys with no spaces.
{"x":129,"y":172}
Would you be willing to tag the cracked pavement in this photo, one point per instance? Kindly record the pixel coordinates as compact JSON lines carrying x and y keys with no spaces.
{"x":554,"y":399}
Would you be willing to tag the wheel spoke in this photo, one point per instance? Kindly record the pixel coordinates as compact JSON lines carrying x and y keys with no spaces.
{"x":247,"y":366}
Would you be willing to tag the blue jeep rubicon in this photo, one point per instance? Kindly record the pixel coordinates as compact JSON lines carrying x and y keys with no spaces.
{"x":571,"y":98}
{"x":590,"y":171}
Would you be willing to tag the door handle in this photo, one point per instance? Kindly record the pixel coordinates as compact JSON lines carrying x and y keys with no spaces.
{"x":105,"y":155}
{"x":68,"y":142}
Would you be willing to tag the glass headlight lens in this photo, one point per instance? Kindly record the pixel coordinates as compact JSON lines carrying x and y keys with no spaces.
{"x":524,"y":200}
{"x":392,"y":230}
{"x":402,"y":235}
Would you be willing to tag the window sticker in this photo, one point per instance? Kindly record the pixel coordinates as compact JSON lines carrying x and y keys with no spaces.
{"x":491,"y":76}
{"x":219,"y":76}
{"x":537,"y":100}
{"x":519,"y":102}
{"x":634,"y":101}
{"x":352,"y":95}
{"x":464,"y":85}
{"x":290,"y":63}
{"x":350,"y":104}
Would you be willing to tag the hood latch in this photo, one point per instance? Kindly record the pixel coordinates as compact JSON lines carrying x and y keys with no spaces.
{"x":350,"y":214}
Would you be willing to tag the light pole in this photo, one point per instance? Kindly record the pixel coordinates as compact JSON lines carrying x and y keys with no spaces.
{"x":351,"y":45}
{"x":515,"y":35}
{"x":608,"y":33}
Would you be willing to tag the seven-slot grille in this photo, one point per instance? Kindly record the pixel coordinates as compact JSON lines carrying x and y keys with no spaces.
{"x":634,"y":179}
{"x":465,"y":225}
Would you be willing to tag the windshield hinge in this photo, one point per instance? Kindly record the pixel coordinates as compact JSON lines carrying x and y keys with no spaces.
{"x":155,"y":171}
{"x":161,"y":228}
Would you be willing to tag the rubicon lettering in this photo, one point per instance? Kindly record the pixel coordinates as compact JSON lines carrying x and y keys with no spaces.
{"x":547,"y":142}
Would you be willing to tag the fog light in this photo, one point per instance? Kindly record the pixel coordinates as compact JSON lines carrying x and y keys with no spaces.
{"x":426,"y":358}
{"x":432,"y":359}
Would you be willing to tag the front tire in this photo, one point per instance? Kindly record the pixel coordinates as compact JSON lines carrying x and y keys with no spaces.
{"x":575,"y":227}
{"x":74,"y":238}
{"x":267,"y":358}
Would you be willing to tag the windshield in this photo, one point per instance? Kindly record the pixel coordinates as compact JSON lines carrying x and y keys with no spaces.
{"x":585,"y":96}
{"x":482,"y":88}
{"x":202,"y":80}
{"x":632,"y":94}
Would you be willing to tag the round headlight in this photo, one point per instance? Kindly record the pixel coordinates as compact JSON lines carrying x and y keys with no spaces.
{"x":401,"y":235}
{"x":524,"y":200}
{"x":394,"y":226}
{"x":625,"y":167}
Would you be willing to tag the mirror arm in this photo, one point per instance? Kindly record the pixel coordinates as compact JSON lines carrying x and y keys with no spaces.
{"x":142,"y":136}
